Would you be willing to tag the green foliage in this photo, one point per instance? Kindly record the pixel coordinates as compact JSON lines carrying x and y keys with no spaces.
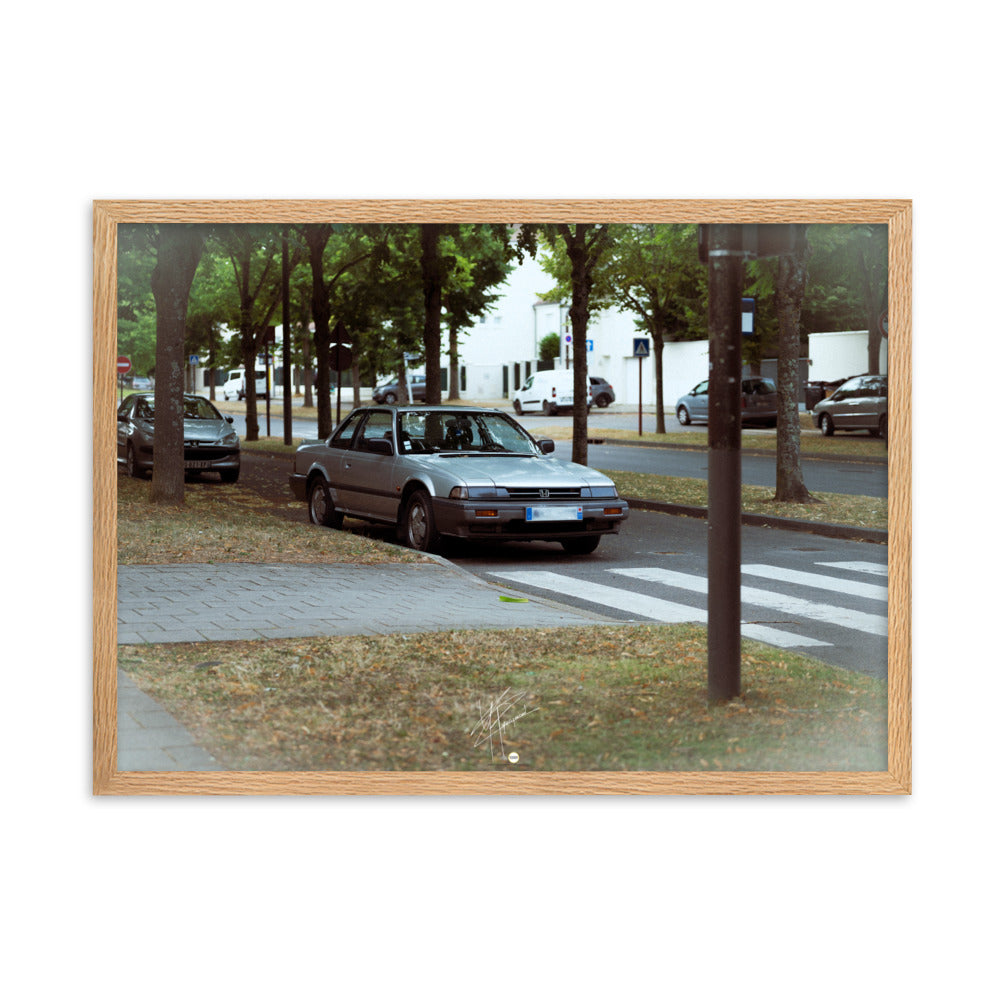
{"x":549,"y":347}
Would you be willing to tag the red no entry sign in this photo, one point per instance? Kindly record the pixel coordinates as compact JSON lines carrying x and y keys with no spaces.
{"x":124,"y":365}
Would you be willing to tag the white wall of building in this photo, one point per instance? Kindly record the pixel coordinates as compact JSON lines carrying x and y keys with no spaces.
{"x":840,"y":354}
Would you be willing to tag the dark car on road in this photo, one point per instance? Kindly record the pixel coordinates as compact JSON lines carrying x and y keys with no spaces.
{"x":454,"y":471}
{"x":758,"y":399}
{"x":601,"y":391}
{"x":210,"y":443}
{"x":860,"y":404}
{"x":393,"y":392}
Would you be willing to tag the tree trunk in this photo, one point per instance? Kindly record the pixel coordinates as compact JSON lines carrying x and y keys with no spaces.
{"x":430,"y":269}
{"x":791,"y":286}
{"x":453,"y":388}
{"x":179,"y":248}
{"x":657,"y":334}
{"x":317,"y":237}
{"x":582,"y":282}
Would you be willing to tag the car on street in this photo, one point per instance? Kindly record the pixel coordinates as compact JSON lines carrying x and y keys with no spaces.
{"x":602,"y":391}
{"x":548,"y":392}
{"x":758,"y":401}
{"x":393,"y":392}
{"x":860,"y":404}
{"x":210,"y":443}
{"x":463,"y":472}
{"x":140,"y":383}
{"x":235,"y":386}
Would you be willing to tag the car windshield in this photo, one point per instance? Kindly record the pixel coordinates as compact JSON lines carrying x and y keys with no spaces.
{"x":195,"y":408}
{"x":462,"y":433}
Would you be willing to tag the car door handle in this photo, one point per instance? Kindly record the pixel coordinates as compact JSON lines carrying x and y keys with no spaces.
{"x":347,"y":465}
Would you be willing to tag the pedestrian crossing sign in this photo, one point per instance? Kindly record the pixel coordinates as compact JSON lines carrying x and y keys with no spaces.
{"x":640,"y":347}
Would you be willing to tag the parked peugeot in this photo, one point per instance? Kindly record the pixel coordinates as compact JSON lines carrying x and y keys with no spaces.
{"x":758,"y":399}
{"x":860,"y":404}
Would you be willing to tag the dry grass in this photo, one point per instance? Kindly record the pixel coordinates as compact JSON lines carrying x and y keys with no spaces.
{"x":233,"y":524}
{"x":833,"y":508}
{"x":603,"y":698}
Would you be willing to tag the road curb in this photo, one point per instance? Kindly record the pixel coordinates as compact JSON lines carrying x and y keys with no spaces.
{"x":845,"y":532}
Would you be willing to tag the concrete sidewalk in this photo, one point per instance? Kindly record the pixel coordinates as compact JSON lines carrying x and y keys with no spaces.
{"x":228,"y":601}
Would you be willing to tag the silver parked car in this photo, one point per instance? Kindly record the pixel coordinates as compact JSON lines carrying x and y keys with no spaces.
{"x":210,"y":443}
{"x":759,"y":401}
{"x":860,"y":404}
{"x":453,"y":471}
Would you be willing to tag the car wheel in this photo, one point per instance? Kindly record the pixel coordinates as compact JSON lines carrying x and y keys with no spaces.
{"x":580,"y":546}
{"x":390,"y":398}
{"x":683,"y":417}
{"x":547,"y":409}
{"x":229,"y":475}
{"x":517,"y":406}
{"x":418,"y":522}
{"x":603,"y":401}
{"x":321,"y":509}
{"x":883,"y":427}
{"x":130,"y":465}
{"x":826,"y":425}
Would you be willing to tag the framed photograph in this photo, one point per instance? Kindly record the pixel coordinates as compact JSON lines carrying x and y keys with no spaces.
{"x":502,"y":497}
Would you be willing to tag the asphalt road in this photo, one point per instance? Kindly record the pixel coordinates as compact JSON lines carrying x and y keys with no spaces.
{"x":807,"y":593}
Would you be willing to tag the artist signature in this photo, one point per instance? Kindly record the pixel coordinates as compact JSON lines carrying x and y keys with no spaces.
{"x":497,"y":716}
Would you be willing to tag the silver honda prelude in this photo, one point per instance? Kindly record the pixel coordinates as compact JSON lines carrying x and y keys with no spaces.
{"x":456,"y":472}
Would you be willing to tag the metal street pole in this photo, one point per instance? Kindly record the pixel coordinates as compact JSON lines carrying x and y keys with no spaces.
{"x":286,"y":340}
{"x":725,"y":268}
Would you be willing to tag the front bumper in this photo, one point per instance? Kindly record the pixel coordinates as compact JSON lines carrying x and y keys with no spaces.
{"x":298,"y":485}
{"x":502,"y":520}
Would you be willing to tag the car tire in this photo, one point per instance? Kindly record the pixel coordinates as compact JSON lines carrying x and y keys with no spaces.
{"x":548,"y":410}
{"x":883,"y":427}
{"x":229,"y":475}
{"x":580,"y":546}
{"x":130,"y":464}
{"x":826,"y":425}
{"x":683,"y":417}
{"x":418,"y":529}
{"x":390,"y":398}
{"x":517,"y":407}
{"x":603,"y":401}
{"x":321,"y":509}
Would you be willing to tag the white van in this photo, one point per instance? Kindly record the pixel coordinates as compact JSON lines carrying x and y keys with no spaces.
{"x":235,"y":386}
{"x":549,"y":392}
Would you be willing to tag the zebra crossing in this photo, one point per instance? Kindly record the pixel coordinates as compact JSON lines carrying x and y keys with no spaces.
{"x":784,"y":607}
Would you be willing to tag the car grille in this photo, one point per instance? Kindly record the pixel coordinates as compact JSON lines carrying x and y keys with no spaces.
{"x":540,"y":493}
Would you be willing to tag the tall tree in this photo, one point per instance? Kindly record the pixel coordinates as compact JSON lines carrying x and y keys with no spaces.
{"x":583,"y":245}
{"x":178,"y":249}
{"x":789,"y":292}
{"x":333,"y":250}
{"x":654,"y":272}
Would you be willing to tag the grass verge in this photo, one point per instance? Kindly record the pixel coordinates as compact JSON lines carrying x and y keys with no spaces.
{"x":578,"y":699}
{"x":833,"y":508}
{"x":232,"y":524}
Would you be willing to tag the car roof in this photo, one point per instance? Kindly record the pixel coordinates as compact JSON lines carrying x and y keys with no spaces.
{"x":423,"y":407}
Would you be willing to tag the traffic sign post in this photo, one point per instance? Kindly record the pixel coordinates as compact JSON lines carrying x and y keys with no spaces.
{"x":123,"y":366}
{"x":640,"y":350}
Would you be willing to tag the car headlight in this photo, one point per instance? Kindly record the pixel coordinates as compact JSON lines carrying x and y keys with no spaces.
{"x":229,"y":440}
{"x":478,"y":493}
{"x":601,"y":492}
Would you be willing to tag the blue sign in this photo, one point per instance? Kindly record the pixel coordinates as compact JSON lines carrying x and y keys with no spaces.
{"x":590,"y":344}
{"x":192,"y":359}
{"x":640,"y":347}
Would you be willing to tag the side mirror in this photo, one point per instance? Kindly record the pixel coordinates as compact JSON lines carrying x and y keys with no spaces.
{"x":547,"y":445}
{"x":380,"y":446}
{"x":122,"y":419}
{"x":229,"y":420}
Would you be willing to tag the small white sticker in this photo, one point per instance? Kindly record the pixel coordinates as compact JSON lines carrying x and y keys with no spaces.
{"x":513,"y":758}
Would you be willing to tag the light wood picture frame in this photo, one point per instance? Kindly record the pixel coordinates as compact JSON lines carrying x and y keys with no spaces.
{"x":108,"y":780}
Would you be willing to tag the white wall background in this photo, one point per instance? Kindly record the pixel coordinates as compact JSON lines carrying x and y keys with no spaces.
{"x":700,"y":897}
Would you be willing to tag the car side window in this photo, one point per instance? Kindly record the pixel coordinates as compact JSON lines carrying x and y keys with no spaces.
{"x":700,"y":389}
{"x":342,"y":439}
{"x":378,"y":425}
